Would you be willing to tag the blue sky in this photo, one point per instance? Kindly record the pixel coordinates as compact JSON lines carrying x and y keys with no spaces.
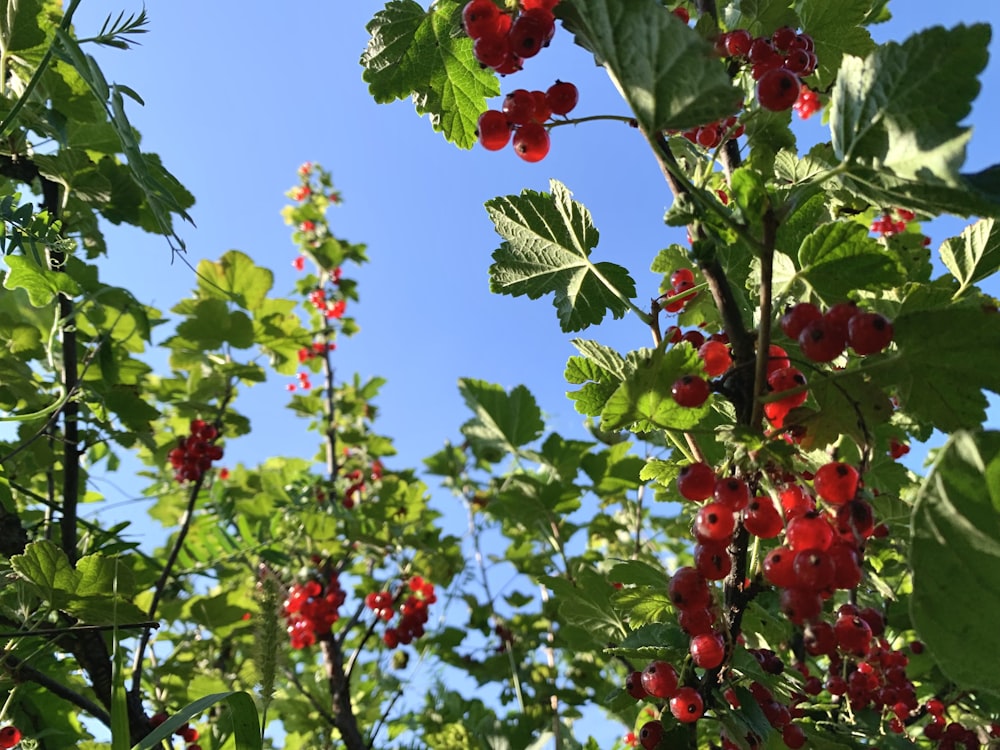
{"x":238,"y":94}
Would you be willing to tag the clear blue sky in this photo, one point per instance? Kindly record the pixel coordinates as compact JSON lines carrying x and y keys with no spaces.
{"x":238,"y":94}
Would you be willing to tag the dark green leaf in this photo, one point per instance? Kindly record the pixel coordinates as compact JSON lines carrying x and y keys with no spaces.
{"x":504,"y":421}
{"x":547,"y":242}
{"x":837,"y":29}
{"x":643,"y":402}
{"x":668,"y":74}
{"x":955,"y":556}
{"x":422,"y":53}
{"x":974,"y":255}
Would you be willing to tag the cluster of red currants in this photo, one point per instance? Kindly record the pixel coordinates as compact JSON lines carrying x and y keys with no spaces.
{"x":778,"y":63}
{"x":195,"y":453}
{"x":316,"y":349}
{"x":887,"y":226}
{"x":502,"y":40}
{"x":186,"y":732}
{"x":311,"y":609}
{"x":823,"y":336}
{"x":808,"y":103}
{"x":9,"y":736}
{"x":711,"y":135}
{"x":412,"y":612}
{"x":524,"y":114}
{"x":680,"y":292}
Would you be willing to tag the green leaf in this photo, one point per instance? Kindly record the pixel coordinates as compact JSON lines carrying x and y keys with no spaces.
{"x":242,"y":715}
{"x":840,"y":257}
{"x":668,"y":74}
{"x":883,"y":129}
{"x":547,"y":242}
{"x":759,"y":17}
{"x":423,"y":53}
{"x":955,"y":556}
{"x":503,"y":421}
{"x":643,"y":402}
{"x":41,"y":284}
{"x":586,"y":603}
{"x":48,"y":568}
{"x":837,"y":29}
{"x":235,"y":278}
{"x":974,"y":255}
{"x":946,"y":358}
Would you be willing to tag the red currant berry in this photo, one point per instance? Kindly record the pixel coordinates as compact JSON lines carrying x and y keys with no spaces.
{"x":633,"y":686}
{"x":821,"y":342}
{"x":708,"y":650}
{"x":814,"y":570}
{"x":481,"y":18}
{"x":688,"y":590}
{"x":690,"y":391}
{"x":778,"y":89}
{"x":779,"y":567}
{"x":519,"y":107}
{"x":562,"y":97}
{"x":493,"y":130}
{"x":9,"y":736}
{"x":798,"y":317}
{"x":738,"y":42}
{"x":732,"y":492}
{"x":687,"y":705}
{"x":531,"y":142}
{"x":696,"y":481}
{"x":532,"y":30}
{"x":716,"y":358}
{"x":836,"y":482}
{"x":713,"y":561}
{"x":659,"y":679}
{"x":810,"y":530}
{"x":651,"y":734}
{"x":800,"y":605}
{"x":793,"y":736}
{"x":542,"y":109}
{"x":784,"y":38}
{"x":868,"y":333}
{"x":714,"y":522}
{"x":762,"y":519}
{"x":681,"y":277}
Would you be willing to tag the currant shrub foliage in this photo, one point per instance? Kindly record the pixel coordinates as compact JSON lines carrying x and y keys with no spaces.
{"x":733,"y":554}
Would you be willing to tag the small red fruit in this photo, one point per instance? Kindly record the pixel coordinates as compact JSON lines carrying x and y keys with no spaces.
{"x":778,"y":89}
{"x":493,"y":130}
{"x":562,"y":97}
{"x":708,"y":650}
{"x":687,"y":705}
{"x":659,"y":679}
{"x":531,"y":142}
{"x":868,"y":333}
{"x":696,"y":481}
{"x":836,"y":482}
{"x":690,"y":391}
{"x":9,"y":736}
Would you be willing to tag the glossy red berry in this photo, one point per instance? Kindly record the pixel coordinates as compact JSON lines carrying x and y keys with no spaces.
{"x":868,"y":333}
{"x":737,"y":42}
{"x":651,"y":734}
{"x":681,"y":277}
{"x":762,"y":519}
{"x":783,"y":38}
{"x":493,"y":130}
{"x":659,"y":679}
{"x":713,"y":561}
{"x":811,"y":530}
{"x":707,"y":650}
{"x":542,"y":109}
{"x":716,"y":358}
{"x":9,"y":736}
{"x":696,"y":481}
{"x":732,"y":492}
{"x":562,"y":97}
{"x":633,"y":686}
{"x":531,"y":142}
{"x":532,"y":30}
{"x":690,"y":391}
{"x":779,"y":567}
{"x":836,"y":482}
{"x":798,"y":317}
{"x":778,"y":89}
{"x":688,"y":590}
{"x":519,"y":107}
{"x":687,"y":705}
{"x":714,"y":522}
{"x":822,"y":342}
{"x":481,"y":18}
